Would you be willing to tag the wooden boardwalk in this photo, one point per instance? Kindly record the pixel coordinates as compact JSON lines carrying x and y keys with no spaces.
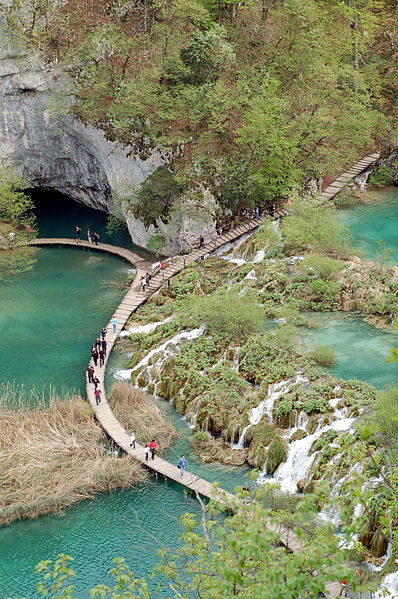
{"x":134,"y":298}
{"x":338,"y":184}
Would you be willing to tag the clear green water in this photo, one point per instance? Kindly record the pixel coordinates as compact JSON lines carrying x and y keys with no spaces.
{"x":374,"y":219}
{"x":360,"y":348}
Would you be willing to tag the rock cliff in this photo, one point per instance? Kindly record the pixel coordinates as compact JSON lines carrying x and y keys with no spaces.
{"x":54,"y":151}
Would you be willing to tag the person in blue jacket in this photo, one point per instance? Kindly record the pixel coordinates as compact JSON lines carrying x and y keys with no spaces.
{"x":182,"y":464}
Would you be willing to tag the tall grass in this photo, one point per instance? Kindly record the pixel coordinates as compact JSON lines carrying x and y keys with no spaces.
{"x":54,"y":454}
{"x":139,"y":414}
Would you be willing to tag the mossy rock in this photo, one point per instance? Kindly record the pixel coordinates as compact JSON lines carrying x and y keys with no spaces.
{"x":151,"y":388}
{"x":142,"y":381}
{"x":300,"y":433}
{"x":379,"y":544}
{"x":276,"y":455}
{"x":167,"y":388}
{"x":312,"y":425}
{"x":285,"y":420}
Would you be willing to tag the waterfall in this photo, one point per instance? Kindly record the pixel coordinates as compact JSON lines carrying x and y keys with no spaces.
{"x":266,"y":406}
{"x":299,"y":460}
{"x":258,"y":256}
{"x":144,"y":328}
{"x":251,"y":276}
{"x":389,"y":587}
{"x":167,"y":349}
{"x":387,"y":556}
{"x":362,"y":180}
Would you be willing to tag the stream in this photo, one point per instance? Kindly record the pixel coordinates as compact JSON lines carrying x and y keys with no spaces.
{"x":71,"y":302}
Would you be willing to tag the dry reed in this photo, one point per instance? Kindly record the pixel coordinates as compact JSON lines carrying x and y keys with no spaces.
{"x":54,"y":455}
{"x":138,"y":413}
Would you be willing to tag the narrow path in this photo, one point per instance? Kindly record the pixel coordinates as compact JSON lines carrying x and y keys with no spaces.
{"x":338,"y":184}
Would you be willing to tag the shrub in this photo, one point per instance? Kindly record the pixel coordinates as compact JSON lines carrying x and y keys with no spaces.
{"x":381,"y":176}
{"x":321,"y":265}
{"x":325,"y":291}
{"x":324,"y":355}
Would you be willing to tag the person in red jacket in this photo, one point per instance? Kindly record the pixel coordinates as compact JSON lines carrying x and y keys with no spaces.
{"x":153,"y":446}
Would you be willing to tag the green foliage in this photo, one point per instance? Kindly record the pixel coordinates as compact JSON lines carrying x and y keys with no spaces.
{"x":323,"y":355}
{"x":386,"y":420}
{"x":322,"y":266}
{"x":114,"y":224}
{"x":381,"y":176}
{"x":155,"y":244}
{"x":155,"y":196}
{"x":313,"y":228}
{"x":224,"y":312}
{"x":14,"y":203}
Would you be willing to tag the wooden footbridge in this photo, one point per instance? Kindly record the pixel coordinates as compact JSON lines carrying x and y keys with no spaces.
{"x":134,"y":298}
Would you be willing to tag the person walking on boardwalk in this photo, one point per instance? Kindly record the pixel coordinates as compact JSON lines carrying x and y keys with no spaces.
{"x":148,"y":278}
{"x":94,"y":355}
{"x":101,"y":355}
{"x":143,"y":283}
{"x":90,"y":373}
{"x":96,"y":382}
{"x":97,"y":395}
{"x":114,"y":322}
{"x":78,"y":233}
{"x":201,"y":242}
{"x":103,"y":333}
{"x":96,"y":237}
{"x":89,"y":236}
{"x":104,"y":345}
{"x":153,"y":446}
{"x":182,"y":464}
{"x":147,"y":450}
{"x":98,"y":342}
{"x":11,"y":238}
{"x":132,"y":440}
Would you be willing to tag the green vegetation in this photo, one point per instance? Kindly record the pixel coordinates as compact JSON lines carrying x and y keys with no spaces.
{"x":381,"y":176}
{"x":15,"y":217}
{"x":323,"y":355}
{"x":252,"y":99}
{"x":238,"y":556}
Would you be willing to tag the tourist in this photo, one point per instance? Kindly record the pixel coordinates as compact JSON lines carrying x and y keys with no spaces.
{"x":103,"y":333}
{"x":94,"y":355}
{"x":98,"y":342}
{"x":162,"y":266}
{"x":11,"y":238}
{"x":78,"y":233}
{"x":153,"y":446}
{"x":182,"y":464}
{"x":101,"y":355}
{"x":257,"y":212}
{"x":97,"y":395}
{"x":148,"y":278}
{"x":96,"y":238}
{"x":143,"y":283}
{"x":96,"y":382}
{"x":104,"y":345}
{"x":89,"y":237}
{"x":90,"y":373}
{"x":201,"y":242}
{"x":132,"y":440}
{"x":114,"y":322}
{"x":147,"y":450}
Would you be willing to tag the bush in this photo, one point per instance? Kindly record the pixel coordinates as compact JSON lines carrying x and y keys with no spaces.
{"x":320,"y":265}
{"x":224,"y":312}
{"x":312,"y":227}
{"x":323,"y":355}
{"x":326,"y":291}
{"x":381,"y":176}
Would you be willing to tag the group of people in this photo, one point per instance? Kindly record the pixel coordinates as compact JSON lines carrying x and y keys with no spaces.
{"x":145,"y":280}
{"x":92,"y":237}
{"x":152,"y":447}
{"x":98,"y":349}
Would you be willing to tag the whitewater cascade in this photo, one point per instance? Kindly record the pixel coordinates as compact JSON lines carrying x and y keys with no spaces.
{"x":299,"y":459}
{"x":362,"y":180}
{"x":389,"y":587}
{"x":166,"y":349}
{"x":144,"y":328}
{"x":266,"y":406}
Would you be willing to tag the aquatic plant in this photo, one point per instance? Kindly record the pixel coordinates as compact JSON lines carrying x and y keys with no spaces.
{"x":324,"y":355}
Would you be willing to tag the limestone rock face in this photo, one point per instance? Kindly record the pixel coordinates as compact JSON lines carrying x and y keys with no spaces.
{"x":55,"y":151}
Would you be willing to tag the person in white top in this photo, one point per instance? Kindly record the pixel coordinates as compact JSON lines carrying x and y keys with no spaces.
{"x":132,"y":440}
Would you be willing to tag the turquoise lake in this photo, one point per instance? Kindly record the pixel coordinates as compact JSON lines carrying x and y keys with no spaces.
{"x":59,"y":306}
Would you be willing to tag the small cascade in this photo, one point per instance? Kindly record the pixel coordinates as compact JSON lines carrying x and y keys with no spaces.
{"x":275,"y":226}
{"x":387,"y":556}
{"x":299,"y":459}
{"x":167,"y":349}
{"x":258,"y":256}
{"x":332,"y":515}
{"x":251,"y":276}
{"x":293,"y":260}
{"x":266,"y":406}
{"x":362,"y":180}
{"x":144,"y":328}
{"x":389,"y":587}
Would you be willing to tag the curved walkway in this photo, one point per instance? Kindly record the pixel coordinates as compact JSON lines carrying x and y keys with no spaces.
{"x":134,"y":298}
